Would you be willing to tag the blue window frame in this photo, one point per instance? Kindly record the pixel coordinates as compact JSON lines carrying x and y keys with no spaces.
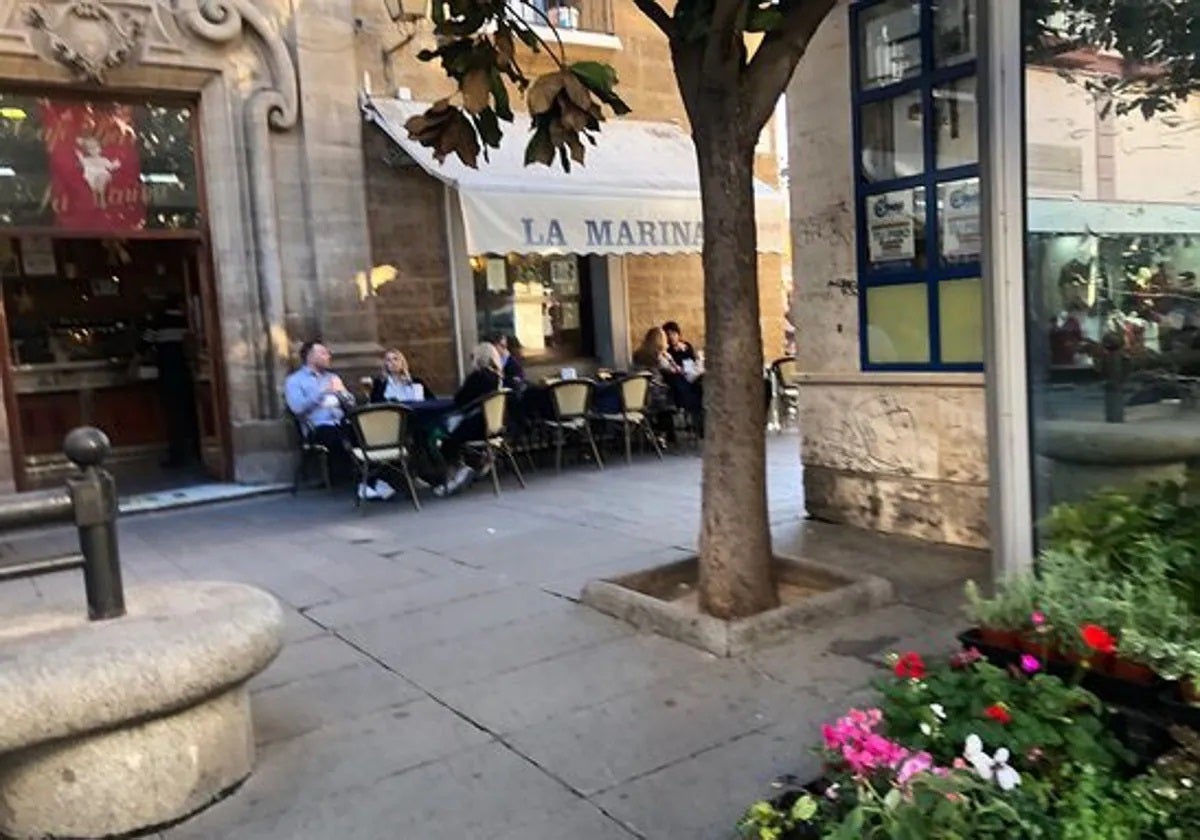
{"x":916,"y":175}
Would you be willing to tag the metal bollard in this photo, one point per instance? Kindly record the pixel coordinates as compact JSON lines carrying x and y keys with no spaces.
{"x":94,"y":497}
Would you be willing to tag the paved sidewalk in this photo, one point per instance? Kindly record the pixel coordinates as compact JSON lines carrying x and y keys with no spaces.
{"x":440,"y":681}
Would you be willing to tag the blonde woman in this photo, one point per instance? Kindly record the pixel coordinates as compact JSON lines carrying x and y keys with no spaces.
{"x":485,"y":378}
{"x":396,"y":383}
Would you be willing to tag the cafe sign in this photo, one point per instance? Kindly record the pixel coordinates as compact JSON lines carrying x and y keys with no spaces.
{"x":497,"y":222}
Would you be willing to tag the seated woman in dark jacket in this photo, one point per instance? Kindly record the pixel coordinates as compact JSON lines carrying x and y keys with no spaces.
{"x":484,"y":379}
{"x":396,"y":383}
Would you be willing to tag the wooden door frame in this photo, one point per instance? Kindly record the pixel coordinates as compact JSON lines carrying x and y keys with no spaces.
{"x":200,"y":238}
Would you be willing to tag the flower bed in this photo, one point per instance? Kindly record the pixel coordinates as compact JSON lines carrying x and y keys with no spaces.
{"x":1117,"y":590}
{"x":966,"y":749}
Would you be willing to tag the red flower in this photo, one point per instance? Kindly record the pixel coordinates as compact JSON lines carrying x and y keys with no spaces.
{"x":1098,"y":639}
{"x":998,"y":713}
{"x":910,"y":666}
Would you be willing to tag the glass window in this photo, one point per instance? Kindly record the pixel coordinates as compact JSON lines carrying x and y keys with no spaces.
{"x":955,"y":31}
{"x":896,"y":229}
{"x":958,"y":221}
{"x":1112,"y":260}
{"x":960,"y":320}
{"x":96,"y":165}
{"x":889,"y":39}
{"x":898,"y":324}
{"x":893,"y":138}
{"x":543,"y":302}
{"x":957,"y":123}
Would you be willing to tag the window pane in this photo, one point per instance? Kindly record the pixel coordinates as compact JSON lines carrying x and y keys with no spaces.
{"x":955,"y":33}
{"x":96,"y":164}
{"x":896,"y":229}
{"x":898,"y":324}
{"x":893,"y":138}
{"x":543,"y":303}
{"x":958,"y":220}
{"x":889,"y":42}
{"x":960,"y":317}
{"x":957,"y":123}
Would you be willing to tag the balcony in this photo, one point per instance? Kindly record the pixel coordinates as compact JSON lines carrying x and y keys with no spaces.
{"x":569,"y":16}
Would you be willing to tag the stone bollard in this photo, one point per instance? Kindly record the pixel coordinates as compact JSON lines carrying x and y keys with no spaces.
{"x":119,"y":726}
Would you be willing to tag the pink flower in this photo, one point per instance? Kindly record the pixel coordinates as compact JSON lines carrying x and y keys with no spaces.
{"x":1030,"y":664}
{"x":965,"y":658}
{"x":1038,"y":618}
{"x":959,"y":764}
{"x":919,"y":763}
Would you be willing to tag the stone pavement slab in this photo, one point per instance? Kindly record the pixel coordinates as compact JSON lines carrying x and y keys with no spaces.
{"x":440,"y":680}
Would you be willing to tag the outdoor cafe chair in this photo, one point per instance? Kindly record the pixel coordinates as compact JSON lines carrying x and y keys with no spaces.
{"x":381,"y":444}
{"x":785,"y":392}
{"x":494,"y":408}
{"x":308,"y":451}
{"x":634,"y":393}
{"x":571,"y":402}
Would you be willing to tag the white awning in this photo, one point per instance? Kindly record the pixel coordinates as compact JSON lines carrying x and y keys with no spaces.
{"x":639,"y":192}
{"x":1059,"y":215}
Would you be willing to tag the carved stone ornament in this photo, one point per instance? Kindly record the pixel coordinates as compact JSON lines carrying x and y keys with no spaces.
{"x":87,"y":37}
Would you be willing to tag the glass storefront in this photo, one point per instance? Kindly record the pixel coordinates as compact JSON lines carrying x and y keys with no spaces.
{"x":1113,"y":256}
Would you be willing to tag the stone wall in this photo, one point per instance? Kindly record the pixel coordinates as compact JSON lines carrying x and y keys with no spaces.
{"x":901,"y":453}
{"x":408,"y":233}
{"x":671,"y":288}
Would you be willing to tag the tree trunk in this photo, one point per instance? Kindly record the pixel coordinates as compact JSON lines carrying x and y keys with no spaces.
{"x":736,"y":570}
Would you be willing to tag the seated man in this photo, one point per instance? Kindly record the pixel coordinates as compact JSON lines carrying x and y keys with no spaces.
{"x":510,"y":365}
{"x":679,"y":350}
{"x":319,"y":400}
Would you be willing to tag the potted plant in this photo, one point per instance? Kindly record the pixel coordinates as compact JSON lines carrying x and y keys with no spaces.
{"x":1002,"y":620}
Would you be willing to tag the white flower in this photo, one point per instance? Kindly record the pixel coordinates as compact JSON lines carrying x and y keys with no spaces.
{"x":939,"y":711}
{"x":991,"y":768}
{"x":926,"y":730}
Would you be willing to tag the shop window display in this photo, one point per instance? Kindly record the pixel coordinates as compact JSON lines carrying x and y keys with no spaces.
{"x":1112,"y":260}
{"x":543,"y":302}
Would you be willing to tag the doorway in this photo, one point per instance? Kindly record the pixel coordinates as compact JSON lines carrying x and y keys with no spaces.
{"x":119,"y":334}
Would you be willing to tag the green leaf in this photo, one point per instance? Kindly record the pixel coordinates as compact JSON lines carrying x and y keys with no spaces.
{"x":600,"y":78}
{"x":489,"y":128}
{"x":804,"y":809}
{"x":500,"y":97}
{"x":763,"y":20}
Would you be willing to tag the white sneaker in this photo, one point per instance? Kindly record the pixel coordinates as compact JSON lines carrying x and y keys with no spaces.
{"x":384,"y":490}
{"x":367,"y":493}
{"x":461,"y":477}
{"x":441,"y":490}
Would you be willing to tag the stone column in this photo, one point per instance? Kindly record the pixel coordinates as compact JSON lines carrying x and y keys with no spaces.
{"x":331,"y":163}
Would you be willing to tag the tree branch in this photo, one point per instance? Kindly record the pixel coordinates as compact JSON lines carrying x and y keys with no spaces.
{"x":657,"y":14}
{"x":781,"y":50}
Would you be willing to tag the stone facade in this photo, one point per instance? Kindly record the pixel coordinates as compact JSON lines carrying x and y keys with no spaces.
{"x":306,"y":208}
{"x":901,"y":453}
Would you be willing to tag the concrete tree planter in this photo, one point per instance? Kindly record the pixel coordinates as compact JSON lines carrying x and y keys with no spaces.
{"x":664,"y":600}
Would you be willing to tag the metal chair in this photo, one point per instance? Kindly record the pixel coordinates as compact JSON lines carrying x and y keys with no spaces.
{"x":785,"y":382}
{"x":381,"y":444}
{"x":571,"y":401}
{"x":308,"y":450}
{"x":494,"y":408}
{"x":634,"y":391}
